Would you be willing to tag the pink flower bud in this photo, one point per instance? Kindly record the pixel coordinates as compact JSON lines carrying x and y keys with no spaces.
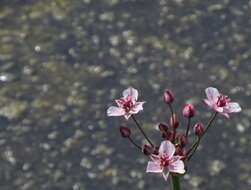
{"x":167,"y":135}
{"x":156,"y":150}
{"x":174,"y":121}
{"x":163,"y":127}
{"x":125,"y":131}
{"x":147,"y":150}
{"x":199,"y":129}
{"x":168,"y":96}
{"x":188,"y":111}
{"x":180,"y":151}
{"x":181,"y":139}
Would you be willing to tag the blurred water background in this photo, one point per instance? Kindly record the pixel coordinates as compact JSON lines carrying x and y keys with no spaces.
{"x":62,"y":62}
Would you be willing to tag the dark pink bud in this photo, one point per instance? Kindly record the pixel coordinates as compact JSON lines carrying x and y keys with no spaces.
{"x":174,"y":121}
{"x":180,"y":151}
{"x":163,"y":127}
{"x":147,"y":150}
{"x":168,"y":135}
{"x":199,"y":129}
{"x":181,"y":139}
{"x":188,"y":111}
{"x":156,"y":150}
{"x":168,"y":96}
{"x":125,"y":131}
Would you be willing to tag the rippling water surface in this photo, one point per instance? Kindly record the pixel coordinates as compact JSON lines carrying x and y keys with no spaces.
{"x":63,"y":62}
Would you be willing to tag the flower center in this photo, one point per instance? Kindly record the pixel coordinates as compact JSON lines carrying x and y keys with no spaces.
{"x":222,"y":100}
{"x":164,"y":160}
{"x":127,"y":103}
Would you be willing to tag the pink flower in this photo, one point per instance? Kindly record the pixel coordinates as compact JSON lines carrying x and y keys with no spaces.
{"x":165,"y":162}
{"x":127,"y":105}
{"x":220,"y":103}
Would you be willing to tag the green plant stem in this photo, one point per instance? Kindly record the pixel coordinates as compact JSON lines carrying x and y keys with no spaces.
{"x":188,"y":126}
{"x":195,"y":146}
{"x":175,"y":182}
{"x":172,"y":122}
{"x":142,"y":131}
{"x":135,"y":144}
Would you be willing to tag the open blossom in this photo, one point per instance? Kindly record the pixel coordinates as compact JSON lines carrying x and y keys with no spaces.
{"x":126,"y":105}
{"x":220,"y":103}
{"x":165,"y":162}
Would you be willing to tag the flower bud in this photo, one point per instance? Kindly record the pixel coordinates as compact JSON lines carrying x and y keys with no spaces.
{"x":199,"y":129}
{"x":163,"y":127}
{"x":179,"y":151}
{"x":147,"y":149}
{"x":168,"y":96}
{"x":174,"y":121}
{"x":167,"y":135}
{"x":125,"y":132}
{"x":156,"y":150}
{"x":188,"y":111}
{"x":181,"y":139}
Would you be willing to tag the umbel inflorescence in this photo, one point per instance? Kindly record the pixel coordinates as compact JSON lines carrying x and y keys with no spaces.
{"x":173,"y":153}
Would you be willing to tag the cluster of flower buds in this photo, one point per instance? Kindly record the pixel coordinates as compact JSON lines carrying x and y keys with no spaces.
{"x":173,"y":152}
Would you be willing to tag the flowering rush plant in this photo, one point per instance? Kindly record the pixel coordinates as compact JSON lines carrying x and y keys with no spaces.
{"x":171,"y":156}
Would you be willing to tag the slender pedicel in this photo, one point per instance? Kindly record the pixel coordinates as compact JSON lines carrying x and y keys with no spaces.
{"x":135,"y":144}
{"x":142,"y":131}
{"x":173,"y":122}
{"x":188,"y":126}
{"x":195,"y":146}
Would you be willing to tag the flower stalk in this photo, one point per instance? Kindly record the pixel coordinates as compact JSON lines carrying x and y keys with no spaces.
{"x":175,"y":182}
{"x":142,"y":131}
{"x":173,"y":122}
{"x":135,"y":144}
{"x":195,"y":146}
{"x":188,"y":126}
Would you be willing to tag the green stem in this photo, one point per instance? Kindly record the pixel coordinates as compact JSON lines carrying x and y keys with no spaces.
{"x":172,"y":123}
{"x":195,"y":146}
{"x":142,"y":131}
{"x":188,"y":126}
{"x":175,"y":182}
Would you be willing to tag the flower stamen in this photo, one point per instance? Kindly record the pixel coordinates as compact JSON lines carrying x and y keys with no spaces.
{"x":222,"y":100}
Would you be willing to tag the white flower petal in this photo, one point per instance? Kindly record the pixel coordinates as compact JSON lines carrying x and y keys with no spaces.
{"x":153,"y":167}
{"x":115,"y":111}
{"x":208,"y":103}
{"x":177,"y":167}
{"x":137,"y":107}
{"x":218,"y":109}
{"x":127,"y":115}
{"x":165,"y":175}
{"x":131,"y":92}
{"x":168,"y":148}
{"x":212,"y":94}
{"x":232,"y":107}
{"x":226,"y":115}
